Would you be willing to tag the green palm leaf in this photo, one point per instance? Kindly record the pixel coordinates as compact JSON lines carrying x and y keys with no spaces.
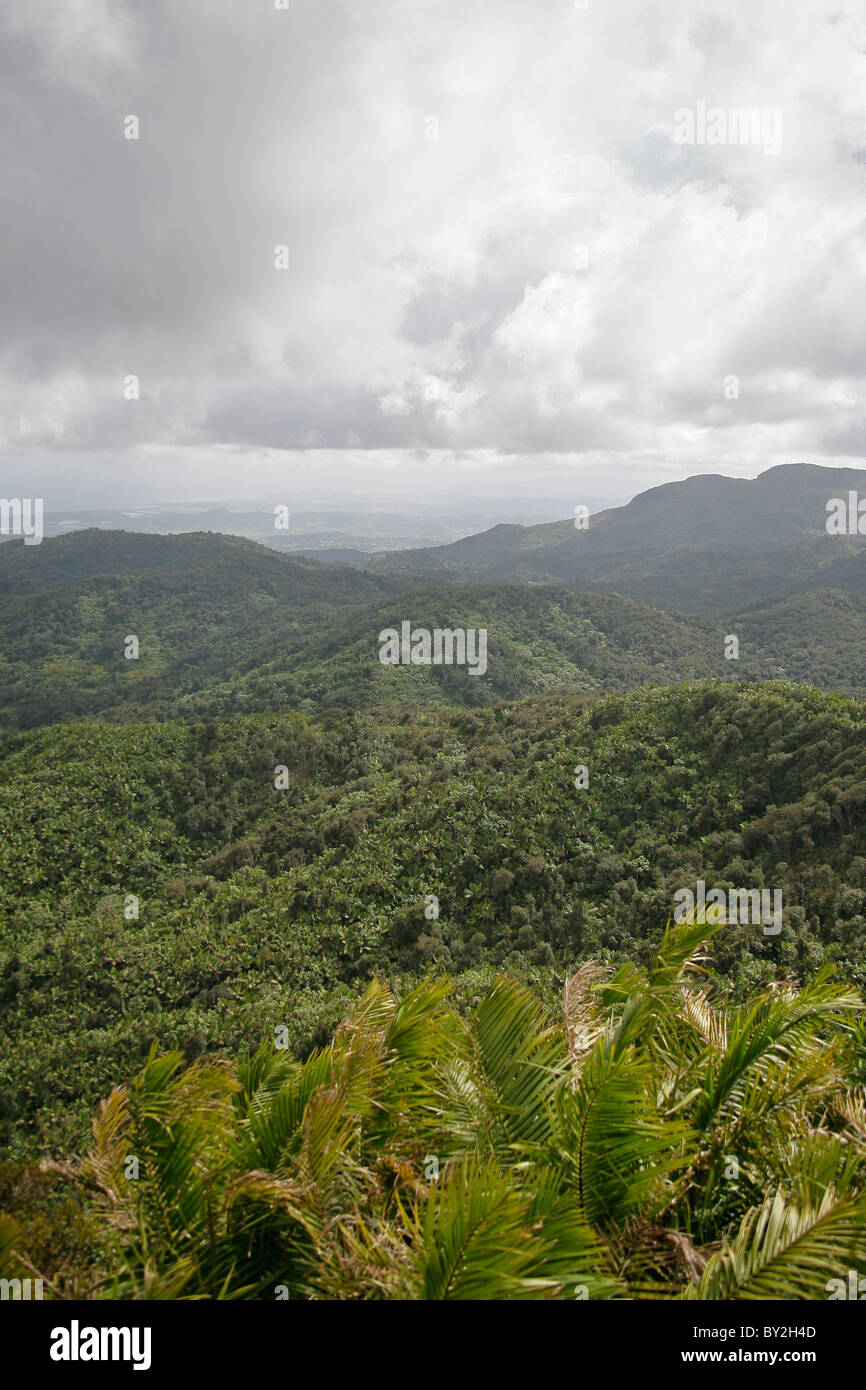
{"x":783,"y":1251}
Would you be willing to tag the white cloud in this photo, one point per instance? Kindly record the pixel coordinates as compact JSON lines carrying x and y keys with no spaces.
{"x":414,"y":258}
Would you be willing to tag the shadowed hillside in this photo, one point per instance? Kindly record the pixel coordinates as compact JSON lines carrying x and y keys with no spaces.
{"x":701,"y":545}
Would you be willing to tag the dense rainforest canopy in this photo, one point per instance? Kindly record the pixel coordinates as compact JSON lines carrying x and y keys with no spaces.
{"x":316,"y":918}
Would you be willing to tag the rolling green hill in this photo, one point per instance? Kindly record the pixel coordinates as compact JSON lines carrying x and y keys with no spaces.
{"x":261,"y":907}
{"x":227,"y":626}
{"x":230,"y":839}
{"x":201,"y":606}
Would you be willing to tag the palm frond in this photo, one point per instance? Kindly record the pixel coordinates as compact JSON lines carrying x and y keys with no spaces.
{"x":784,"y":1251}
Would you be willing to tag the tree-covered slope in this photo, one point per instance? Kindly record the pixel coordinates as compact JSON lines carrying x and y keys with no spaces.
{"x":260,"y":907}
{"x":227,"y":626}
{"x":200,"y":606}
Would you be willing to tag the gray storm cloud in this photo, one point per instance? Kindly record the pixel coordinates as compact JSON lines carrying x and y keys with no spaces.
{"x":498,"y":253}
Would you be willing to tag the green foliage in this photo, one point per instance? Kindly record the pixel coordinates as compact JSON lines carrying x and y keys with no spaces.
{"x":261,"y":908}
{"x":226,"y":626}
{"x":427,"y":1155}
{"x":168,"y":914}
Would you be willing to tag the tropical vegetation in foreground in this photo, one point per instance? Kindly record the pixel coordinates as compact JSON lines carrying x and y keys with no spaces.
{"x":650,"y":1139}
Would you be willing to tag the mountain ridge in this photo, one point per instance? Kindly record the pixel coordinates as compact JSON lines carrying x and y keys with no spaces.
{"x":783,"y":509}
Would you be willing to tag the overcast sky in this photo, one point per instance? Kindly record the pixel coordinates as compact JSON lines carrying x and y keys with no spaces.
{"x":505,"y":273}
